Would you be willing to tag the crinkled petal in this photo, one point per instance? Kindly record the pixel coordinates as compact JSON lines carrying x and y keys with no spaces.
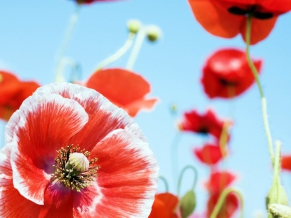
{"x":215,"y":19}
{"x":12,"y":203}
{"x":44,"y":123}
{"x":127,"y":176}
{"x":209,"y":154}
{"x":104,"y":117}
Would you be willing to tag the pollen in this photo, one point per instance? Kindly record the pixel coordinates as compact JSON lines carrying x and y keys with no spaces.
{"x":73,"y":169}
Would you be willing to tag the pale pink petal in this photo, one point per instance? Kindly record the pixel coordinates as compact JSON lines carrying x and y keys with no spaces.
{"x":12,"y":204}
{"x":127,"y":176}
{"x":104,"y":117}
{"x":44,"y":123}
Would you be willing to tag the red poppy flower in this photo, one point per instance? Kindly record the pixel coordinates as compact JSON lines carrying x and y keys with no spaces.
{"x":286,"y":162}
{"x":227,"y":18}
{"x":71,"y":153}
{"x":227,"y":74}
{"x":229,"y":207}
{"x":13,"y":92}
{"x":207,"y":123}
{"x":209,"y":154}
{"x":123,"y":88}
{"x":164,"y":206}
{"x":218,"y":181}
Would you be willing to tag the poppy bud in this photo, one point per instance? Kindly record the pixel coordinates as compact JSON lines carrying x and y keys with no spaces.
{"x":153,"y":33}
{"x":79,"y":162}
{"x":133,"y":26}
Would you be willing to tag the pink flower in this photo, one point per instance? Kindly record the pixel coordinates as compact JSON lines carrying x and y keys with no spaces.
{"x":40,"y":176}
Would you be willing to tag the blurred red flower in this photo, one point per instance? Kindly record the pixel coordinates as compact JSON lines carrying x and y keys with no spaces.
{"x":227,"y":18}
{"x":227,"y":74}
{"x":12,"y":93}
{"x":164,"y":206}
{"x":71,"y":153}
{"x":207,"y":123}
{"x":209,"y":154}
{"x":286,"y":162}
{"x":228,"y":208}
{"x":217,"y":182}
{"x":123,"y":88}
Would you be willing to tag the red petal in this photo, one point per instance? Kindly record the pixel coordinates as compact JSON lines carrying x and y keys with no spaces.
{"x":159,"y":210}
{"x":125,"y":161}
{"x":42,"y":125}
{"x":260,"y":29}
{"x":104,"y":117}
{"x":169,"y":200}
{"x":58,"y":202}
{"x":218,"y":181}
{"x":208,"y":154}
{"x":215,"y":19}
{"x":286,"y":162}
{"x":133,"y":108}
{"x":119,"y":86}
{"x":12,"y":204}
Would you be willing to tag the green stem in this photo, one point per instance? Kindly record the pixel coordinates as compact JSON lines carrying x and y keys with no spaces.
{"x":174,"y":155}
{"x":117,"y":54}
{"x":65,"y":42}
{"x":181,"y":176}
{"x":256,"y":75}
{"x":136,"y":48}
{"x":222,"y":199}
{"x":277,"y":166}
{"x":165,"y":182}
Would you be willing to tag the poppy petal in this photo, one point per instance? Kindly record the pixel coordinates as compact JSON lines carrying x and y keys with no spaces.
{"x":169,"y":199}
{"x":219,"y":180}
{"x":215,"y":19}
{"x":209,"y":154}
{"x":58,"y":202}
{"x":260,"y":29}
{"x":127,"y":175}
{"x":40,"y":112}
{"x":133,"y":108}
{"x":119,"y":86}
{"x":101,"y":112}
{"x":12,"y":204}
{"x":159,"y":210}
{"x":286,"y":162}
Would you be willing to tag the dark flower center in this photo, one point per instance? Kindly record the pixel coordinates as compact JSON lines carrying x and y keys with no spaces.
{"x":69,"y":174}
{"x":225,"y":82}
{"x":253,"y":9}
{"x":203,"y":130}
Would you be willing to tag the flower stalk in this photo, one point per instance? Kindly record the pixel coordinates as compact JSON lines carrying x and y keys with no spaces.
{"x":263,"y":99}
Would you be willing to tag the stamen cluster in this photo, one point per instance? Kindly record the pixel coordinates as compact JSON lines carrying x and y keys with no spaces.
{"x":68,"y":175}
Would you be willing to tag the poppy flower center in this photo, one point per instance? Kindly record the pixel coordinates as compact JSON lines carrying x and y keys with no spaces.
{"x":203,"y":130}
{"x":225,"y":82}
{"x":252,"y":9}
{"x":73,"y":169}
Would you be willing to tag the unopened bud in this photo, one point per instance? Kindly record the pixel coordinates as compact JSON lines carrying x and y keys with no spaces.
{"x":79,"y":161}
{"x":153,"y":33}
{"x":133,"y":26}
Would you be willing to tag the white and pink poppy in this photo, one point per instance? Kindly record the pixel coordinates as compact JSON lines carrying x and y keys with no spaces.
{"x":112,"y":174}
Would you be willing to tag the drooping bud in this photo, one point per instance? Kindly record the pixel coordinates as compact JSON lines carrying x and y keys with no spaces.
{"x":79,"y":161}
{"x":153,"y":33}
{"x":280,"y":210}
{"x":133,"y":26}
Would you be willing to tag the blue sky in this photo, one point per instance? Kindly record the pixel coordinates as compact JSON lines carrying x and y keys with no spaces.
{"x":31,"y":32}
